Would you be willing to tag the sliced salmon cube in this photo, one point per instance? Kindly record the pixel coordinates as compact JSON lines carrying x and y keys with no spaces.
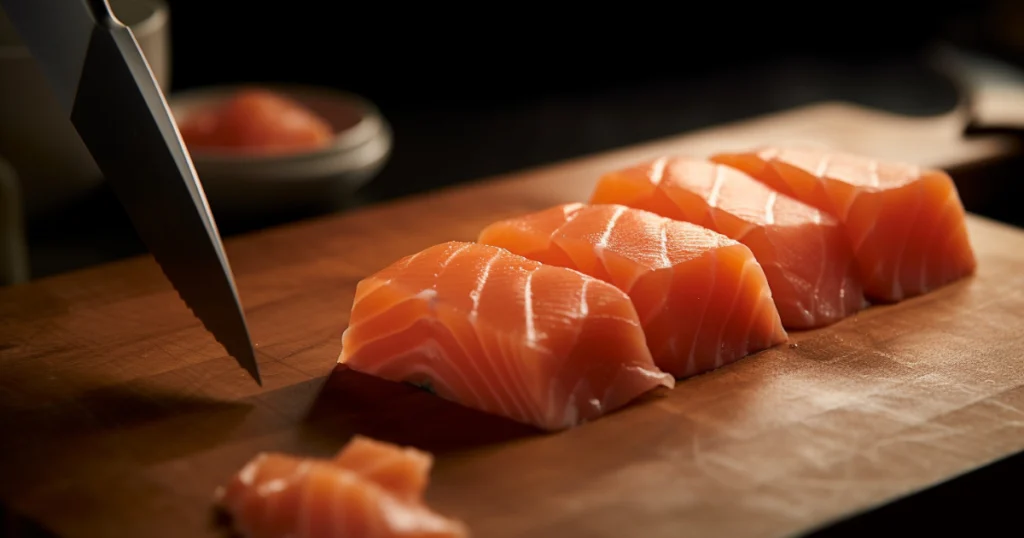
{"x":702,"y":298}
{"x":803,"y":251}
{"x":488,"y":329}
{"x":906,"y":224}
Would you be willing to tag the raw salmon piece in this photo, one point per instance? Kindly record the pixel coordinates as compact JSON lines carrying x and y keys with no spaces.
{"x":702,"y":298}
{"x":256,"y":120}
{"x":803,"y":251}
{"x":906,"y":224}
{"x":480,"y":326}
{"x":357,"y":494}
{"x":403,"y":471}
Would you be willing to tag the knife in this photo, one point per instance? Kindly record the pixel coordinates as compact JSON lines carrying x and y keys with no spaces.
{"x":99,"y":74}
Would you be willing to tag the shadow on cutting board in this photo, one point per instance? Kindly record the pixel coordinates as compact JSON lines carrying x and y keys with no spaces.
{"x":15,"y":525}
{"x":56,"y":437}
{"x":350,"y":402}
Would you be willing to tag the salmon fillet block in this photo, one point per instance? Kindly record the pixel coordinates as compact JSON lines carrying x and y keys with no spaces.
{"x":907,"y":225}
{"x":702,"y":298}
{"x":497,"y":332}
{"x":803,"y":251}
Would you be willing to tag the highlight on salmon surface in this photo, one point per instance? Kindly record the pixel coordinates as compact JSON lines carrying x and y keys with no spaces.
{"x":255,"y":120}
{"x":804,"y":253}
{"x":369,"y":489}
{"x":907,"y":225}
{"x":488,"y":329}
{"x":702,"y":298}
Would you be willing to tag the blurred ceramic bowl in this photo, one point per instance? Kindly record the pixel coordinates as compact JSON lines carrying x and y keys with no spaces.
{"x":248,"y":184}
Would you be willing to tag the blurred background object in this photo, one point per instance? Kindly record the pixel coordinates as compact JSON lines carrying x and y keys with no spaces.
{"x":37,"y":137}
{"x":467,"y":93}
{"x":13,"y":254}
{"x":249,"y":184}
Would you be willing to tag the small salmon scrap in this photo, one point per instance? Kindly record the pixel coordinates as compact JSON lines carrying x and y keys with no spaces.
{"x":371,"y":489}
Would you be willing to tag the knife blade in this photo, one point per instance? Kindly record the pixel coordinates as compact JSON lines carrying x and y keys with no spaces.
{"x":101,"y":77}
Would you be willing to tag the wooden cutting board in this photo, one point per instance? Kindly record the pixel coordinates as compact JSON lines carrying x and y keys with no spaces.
{"x":119,"y":414}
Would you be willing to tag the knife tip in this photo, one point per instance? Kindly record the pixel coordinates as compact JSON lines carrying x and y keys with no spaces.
{"x":247,"y":359}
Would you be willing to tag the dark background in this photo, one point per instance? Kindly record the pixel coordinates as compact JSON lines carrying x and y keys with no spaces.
{"x":473,"y":92}
{"x":481,"y":90}
{"x":486,"y":89}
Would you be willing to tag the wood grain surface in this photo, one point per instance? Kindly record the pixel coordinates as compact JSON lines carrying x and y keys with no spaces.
{"x":119,"y":415}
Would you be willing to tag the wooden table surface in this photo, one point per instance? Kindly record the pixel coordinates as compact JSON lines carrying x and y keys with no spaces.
{"x":120,"y":415}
